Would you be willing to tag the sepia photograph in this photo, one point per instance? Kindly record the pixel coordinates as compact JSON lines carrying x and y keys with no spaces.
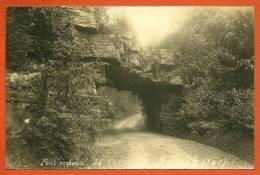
{"x":130,"y":87}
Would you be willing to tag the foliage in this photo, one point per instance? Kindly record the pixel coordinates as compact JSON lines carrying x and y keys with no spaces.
{"x":53,"y":133}
{"x":18,"y":42}
{"x":216,"y":62}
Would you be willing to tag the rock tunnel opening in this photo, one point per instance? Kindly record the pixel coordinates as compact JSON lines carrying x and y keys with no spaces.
{"x":125,"y":109}
{"x":157,"y":97}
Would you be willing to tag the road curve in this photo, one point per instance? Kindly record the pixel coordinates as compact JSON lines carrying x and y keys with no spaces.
{"x":127,"y":146}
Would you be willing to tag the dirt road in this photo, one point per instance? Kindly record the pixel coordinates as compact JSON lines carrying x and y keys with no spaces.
{"x":127,"y":146}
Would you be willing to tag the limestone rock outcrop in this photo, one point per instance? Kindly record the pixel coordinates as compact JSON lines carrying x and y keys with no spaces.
{"x":85,"y":19}
{"x":97,"y":46}
{"x":167,"y":57}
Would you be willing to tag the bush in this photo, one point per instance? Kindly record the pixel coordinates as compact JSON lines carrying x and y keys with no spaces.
{"x":216,"y":62}
{"x":53,"y":132}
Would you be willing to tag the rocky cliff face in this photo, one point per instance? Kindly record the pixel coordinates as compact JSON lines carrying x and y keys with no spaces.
{"x":123,"y":64}
{"x":47,"y":94}
{"x":86,"y":19}
{"x":77,"y":79}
